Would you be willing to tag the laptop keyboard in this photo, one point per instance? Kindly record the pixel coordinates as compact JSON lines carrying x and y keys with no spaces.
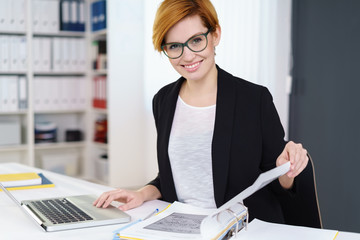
{"x":61,"y":211}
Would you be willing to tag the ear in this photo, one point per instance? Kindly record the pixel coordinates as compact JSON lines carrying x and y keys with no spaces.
{"x":216,"y":36}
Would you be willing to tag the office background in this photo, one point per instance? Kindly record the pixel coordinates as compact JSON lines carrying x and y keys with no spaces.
{"x":311,"y":56}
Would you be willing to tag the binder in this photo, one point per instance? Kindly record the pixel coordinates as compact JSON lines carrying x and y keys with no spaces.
{"x":102,"y":15}
{"x":45,"y":94}
{"x":37,"y":53}
{"x":53,"y":93}
{"x":22,"y":54}
{"x":63,"y":93}
{"x":36,"y":15}
{"x":5,"y":53}
{"x":1,"y":49}
{"x":5,"y":11}
{"x":18,"y":15}
{"x":37,"y":96}
{"x":73,"y":54}
{"x":57,"y":60}
{"x":65,"y":15}
{"x":44,"y":16}
{"x":82,"y":93}
{"x":81,"y":15}
{"x":53,"y":10}
{"x":13,"y":93}
{"x":45,"y":54}
{"x":225,"y":224}
{"x":73,"y":26}
{"x":65,"y":49}
{"x":4,"y":94}
{"x":14,"y":53}
{"x":82,"y":56}
{"x":1,"y":110}
{"x":94,"y":16}
{"x":23,"y":101}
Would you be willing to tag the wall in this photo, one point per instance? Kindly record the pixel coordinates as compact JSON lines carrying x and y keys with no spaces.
{"x":325,"y":110}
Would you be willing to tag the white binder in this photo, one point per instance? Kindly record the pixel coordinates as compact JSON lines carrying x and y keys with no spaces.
{"x":22,"y":53}
{"x":13,"y":104}
{"x":73,"y":56}
{"x":37,"y":52}
{"x":45,"y":54}
{"x":57,"y":62}
{"x":5,"y":11}
{"x":5,"y":53}
{"x":53,"y":15}
{"x":36,"y":94}
{"x":82,"y":93}
{"x":82,"y":57}
{"x":36,"y":15}
{"x":23,"y":101}
{"x":18,"y":15}
{"x":14,"y":43}
{"x":64,"y":46}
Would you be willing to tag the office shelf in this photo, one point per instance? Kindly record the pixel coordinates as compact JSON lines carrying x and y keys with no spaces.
{"x":67,"y":73}
{"x":101,"y":145}
{"x":61,"y":34}
{"x":59,"y":145}
{"x":20,"y":112}
{"x":65,"y":119}
{"x":12,"y":148}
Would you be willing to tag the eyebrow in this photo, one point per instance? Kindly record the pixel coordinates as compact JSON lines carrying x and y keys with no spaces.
{"x":199,"y":33}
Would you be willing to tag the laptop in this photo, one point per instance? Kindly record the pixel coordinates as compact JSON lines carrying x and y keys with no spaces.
{"x":65,"y":213}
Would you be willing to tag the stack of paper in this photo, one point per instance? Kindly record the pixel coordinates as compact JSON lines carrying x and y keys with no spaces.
{"x":182,"y":221}
{"x":259,"y":230}
{"x":179,"y":221}
{"x":19,"y":181}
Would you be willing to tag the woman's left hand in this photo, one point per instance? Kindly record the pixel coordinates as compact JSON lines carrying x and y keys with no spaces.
{"x":297,"y":155}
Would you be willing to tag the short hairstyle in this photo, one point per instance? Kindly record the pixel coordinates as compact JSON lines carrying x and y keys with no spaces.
{"x":171,"y":12}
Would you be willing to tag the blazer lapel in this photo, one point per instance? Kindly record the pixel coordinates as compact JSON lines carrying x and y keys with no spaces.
{"x":225,"y":107}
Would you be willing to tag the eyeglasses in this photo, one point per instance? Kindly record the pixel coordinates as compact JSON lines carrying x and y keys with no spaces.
{"x":196,"y":44}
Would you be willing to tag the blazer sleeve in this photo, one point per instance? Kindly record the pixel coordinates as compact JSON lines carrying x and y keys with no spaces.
{"x":273,"y":140}
{"x":155,"y":104}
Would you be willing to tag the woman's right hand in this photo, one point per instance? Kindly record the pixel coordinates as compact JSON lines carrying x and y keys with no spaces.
{"x":131,"y":199}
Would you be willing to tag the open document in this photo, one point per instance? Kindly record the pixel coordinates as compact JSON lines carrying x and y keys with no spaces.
{"x":259,"y":230}
{"x":183,"y":221}
{"x":178,"y":221}
{"x":233,"y":214}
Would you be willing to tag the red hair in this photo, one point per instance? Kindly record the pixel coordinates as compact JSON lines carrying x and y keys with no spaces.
{"x":171,"y":12}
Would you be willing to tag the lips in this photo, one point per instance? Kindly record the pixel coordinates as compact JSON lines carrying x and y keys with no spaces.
{"x":192,"y":67}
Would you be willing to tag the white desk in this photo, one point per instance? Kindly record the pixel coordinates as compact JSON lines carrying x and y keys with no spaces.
{"x":16,"y":225}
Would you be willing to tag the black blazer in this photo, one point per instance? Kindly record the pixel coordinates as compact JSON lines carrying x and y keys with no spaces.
{"x":248,"y":138}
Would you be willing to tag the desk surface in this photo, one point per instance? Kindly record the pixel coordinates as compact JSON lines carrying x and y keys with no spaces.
{"x":16,"y":225}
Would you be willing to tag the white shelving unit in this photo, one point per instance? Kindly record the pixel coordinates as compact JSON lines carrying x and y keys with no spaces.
{"x":28,"y":152}
{"x":125,"y":100}
{"x":97,"y":167}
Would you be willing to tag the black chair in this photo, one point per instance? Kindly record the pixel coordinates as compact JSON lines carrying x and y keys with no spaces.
{"x":303,"y":209}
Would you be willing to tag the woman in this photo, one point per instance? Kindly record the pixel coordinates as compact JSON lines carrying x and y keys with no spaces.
{"x":216,"y":132}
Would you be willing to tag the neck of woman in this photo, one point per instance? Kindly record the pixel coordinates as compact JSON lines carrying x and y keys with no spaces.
{"x":200,"y":93}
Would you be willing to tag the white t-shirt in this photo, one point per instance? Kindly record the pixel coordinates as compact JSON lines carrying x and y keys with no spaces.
{"x":190,"y":154}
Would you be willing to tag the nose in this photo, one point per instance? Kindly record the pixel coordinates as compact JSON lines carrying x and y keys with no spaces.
{"x":188,"y":55}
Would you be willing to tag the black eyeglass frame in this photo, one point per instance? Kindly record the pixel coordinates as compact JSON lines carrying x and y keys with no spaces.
{"x":186,"y":44}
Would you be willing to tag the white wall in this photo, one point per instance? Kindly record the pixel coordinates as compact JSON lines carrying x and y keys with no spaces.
{"x":255,"y":45}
